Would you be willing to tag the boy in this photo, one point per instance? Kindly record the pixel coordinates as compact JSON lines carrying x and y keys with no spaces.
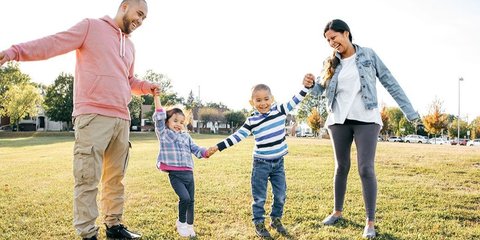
{"x":267,"y":125}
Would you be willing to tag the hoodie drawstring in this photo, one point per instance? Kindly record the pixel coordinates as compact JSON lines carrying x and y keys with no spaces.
{"x":122,"y":43}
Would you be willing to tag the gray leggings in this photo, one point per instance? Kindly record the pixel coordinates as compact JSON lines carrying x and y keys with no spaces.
{"x":365,"y":136}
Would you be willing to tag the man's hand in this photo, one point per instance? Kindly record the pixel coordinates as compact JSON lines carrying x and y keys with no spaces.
{"x":308,"y":80}
{"x":417,"y":123}
{"x":3,"y":58}
{"x":155,"y":89}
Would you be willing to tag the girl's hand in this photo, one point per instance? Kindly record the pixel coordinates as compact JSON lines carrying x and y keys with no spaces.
{"x":211,"y":151}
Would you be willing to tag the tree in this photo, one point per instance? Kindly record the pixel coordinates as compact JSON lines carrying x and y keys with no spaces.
{"x":59,"y":99}
{"x":210,"y":115}
{"x":21,"y":101}
{"x":475,"y":128}
{"x":11,"y":75}
{"x":192,"y":102}
{"x":315,"y":121}
{"x":167,"y":97}
{"x":394,"y":116}
{"x":235,"y":118}
{"x":436,"y":120}
{"x":453,"y":129}
{"x":220,"y":106}
{"x":135,"y":108}
{"x":308,"y":104}
{"x":385,"y":121}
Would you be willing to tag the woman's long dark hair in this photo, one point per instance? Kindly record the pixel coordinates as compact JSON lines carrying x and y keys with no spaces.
{"x":340,"y":26}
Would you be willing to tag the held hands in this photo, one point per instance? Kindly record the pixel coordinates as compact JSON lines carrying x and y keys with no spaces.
{"x":211,"y":151}
{"x":155,"y":90}
{"x":309,"y":80}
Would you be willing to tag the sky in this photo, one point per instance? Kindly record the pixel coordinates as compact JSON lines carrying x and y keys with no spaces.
{"x":219,"y":49}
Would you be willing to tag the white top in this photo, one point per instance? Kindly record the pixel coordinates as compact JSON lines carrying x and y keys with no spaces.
{"x":348,"y":101}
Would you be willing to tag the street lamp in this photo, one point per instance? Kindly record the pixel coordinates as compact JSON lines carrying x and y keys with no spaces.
{"x":458,"y":119}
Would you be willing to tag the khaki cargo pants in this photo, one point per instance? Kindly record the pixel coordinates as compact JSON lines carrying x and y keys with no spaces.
{"x":101,"y":152}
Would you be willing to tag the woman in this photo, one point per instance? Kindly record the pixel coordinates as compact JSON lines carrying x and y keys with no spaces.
{"x":348,"y":81}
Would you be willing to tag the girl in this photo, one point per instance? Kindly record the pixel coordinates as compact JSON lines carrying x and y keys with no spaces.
{"x":175,"y":158}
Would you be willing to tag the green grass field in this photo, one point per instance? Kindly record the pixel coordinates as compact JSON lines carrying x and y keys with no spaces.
{"x":425,"y":191}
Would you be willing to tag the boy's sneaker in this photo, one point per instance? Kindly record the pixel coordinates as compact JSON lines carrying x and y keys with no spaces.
{"x":261,"y":231}
{"x":121,"y":232}
{"x":182,"y":229}
{"x":191,"y":231}
{"x":277,"y":224}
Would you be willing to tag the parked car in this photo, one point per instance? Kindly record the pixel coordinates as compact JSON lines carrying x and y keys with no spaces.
{"x":462,"y":142}
{"x":474,"y":142}
{"x":413,"y":138}
{"x":395,"y":139}
{"x":5,"y":128}
{"x":438,"y":141}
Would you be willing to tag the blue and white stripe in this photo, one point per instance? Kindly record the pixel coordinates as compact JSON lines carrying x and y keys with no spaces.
{"x":268,"y":130}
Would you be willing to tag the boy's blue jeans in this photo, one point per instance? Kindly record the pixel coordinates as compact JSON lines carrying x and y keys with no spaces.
{"x":263,"y":171}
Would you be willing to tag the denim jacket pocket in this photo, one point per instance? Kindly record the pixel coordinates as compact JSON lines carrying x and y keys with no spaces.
{"x":366,"y":63}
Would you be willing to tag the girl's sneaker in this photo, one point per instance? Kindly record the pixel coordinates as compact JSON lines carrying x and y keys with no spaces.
{"x":182,"y":229}
{"x":191,"y":231}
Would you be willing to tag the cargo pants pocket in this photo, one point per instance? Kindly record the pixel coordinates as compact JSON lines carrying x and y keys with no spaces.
{"x":83,"y":164}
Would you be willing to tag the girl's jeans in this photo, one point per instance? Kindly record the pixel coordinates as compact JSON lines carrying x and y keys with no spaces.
{"x":184,"y":186}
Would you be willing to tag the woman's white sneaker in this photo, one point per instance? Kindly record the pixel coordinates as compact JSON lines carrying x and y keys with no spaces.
{"x":369,"y":232}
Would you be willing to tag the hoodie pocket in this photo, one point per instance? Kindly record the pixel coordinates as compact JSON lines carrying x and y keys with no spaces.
{"x":110,"y":90}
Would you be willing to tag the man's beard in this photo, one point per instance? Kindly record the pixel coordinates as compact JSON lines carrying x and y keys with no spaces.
{"x":126,"y":25}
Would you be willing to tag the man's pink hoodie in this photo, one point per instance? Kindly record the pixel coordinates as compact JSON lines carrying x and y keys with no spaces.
{"x":104,"y":73}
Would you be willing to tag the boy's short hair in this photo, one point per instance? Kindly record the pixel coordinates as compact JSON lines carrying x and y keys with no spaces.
{"x":259,"y":87}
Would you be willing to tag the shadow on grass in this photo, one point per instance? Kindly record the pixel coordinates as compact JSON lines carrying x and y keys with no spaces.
{"x":26,"y":139}
{"x":345,"y":223}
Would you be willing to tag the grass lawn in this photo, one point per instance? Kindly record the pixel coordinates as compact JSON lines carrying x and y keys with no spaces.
{"x":424,"y":191}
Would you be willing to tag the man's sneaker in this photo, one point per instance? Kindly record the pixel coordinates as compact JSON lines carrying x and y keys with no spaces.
{"x":91,"y":238}
{"x":121,"y":232}
{"x":191,"y":231}
{"x":277,"y":224}
{"x":182,"y":229}
{"x":261,"y":231}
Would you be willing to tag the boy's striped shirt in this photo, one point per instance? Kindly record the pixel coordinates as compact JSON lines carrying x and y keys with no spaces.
{"x":268,"y":130}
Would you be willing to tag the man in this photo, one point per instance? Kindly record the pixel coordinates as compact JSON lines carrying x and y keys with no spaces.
{"x":104,"y":81}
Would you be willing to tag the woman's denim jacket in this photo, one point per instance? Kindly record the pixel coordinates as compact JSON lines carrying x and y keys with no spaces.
{"x":369,"y":68}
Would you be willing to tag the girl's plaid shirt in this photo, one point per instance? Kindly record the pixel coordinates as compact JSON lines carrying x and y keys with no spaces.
{"x":176,"y":149}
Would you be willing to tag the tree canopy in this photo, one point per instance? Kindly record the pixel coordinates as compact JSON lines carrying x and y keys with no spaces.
{"x":59,"y":99}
